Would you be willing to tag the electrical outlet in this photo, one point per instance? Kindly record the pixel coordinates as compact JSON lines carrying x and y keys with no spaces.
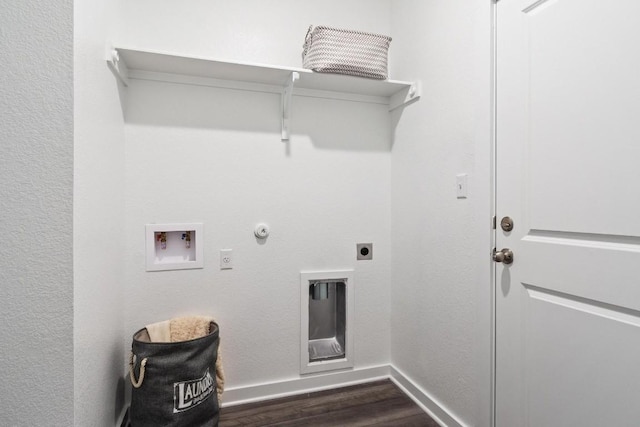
{"x":226,"y":259}
{"x":365,"y":251}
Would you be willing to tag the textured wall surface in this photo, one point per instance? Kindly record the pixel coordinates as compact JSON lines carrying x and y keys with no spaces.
{"x":98,"y":219}
{"x":36,"y":175}
{"x":441,"y":291}
{"x":197,"y":154}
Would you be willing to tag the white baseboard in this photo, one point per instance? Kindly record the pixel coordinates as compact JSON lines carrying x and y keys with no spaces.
{"x":306,"y":384}
{"x":431,"y":406}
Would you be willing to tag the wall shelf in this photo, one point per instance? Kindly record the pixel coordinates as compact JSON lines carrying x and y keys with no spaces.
{"x":129,"y":64}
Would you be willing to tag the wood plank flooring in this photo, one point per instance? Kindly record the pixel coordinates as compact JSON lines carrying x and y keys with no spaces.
{"x":378,"y":403}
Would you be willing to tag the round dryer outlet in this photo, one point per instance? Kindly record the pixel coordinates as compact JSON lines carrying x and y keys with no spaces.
{"x":364,"y":251}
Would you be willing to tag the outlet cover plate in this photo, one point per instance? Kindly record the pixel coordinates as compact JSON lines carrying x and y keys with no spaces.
{"x":226,"y":259}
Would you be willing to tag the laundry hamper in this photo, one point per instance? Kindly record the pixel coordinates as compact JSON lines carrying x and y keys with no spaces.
{"x":355,"y":53}
{"x":175,"y":384}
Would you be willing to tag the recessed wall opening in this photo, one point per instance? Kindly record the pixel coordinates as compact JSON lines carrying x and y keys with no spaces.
{"x":326,"y":327}
{"x":327,"y":320}
{"x":174,"y":246}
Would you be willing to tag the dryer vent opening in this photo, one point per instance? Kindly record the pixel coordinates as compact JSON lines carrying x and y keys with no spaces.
{"x":327,"y":320}
{"x":326,"y":307}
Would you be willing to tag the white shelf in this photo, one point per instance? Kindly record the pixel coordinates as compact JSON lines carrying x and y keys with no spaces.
{"x":147,"y":65}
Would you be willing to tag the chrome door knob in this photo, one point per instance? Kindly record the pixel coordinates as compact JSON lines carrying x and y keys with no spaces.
{"x":504,"y":256}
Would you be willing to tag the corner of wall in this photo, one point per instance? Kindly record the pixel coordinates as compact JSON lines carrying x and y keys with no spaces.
{"x":99,"y":338}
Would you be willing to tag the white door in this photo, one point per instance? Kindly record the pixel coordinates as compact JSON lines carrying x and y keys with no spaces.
{"x":568,"y":173}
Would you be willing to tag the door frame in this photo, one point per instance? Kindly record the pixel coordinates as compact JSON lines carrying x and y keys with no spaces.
{"x":493,"y":203}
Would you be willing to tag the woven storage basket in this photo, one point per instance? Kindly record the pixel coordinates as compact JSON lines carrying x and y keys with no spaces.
{"x":356,"y":53}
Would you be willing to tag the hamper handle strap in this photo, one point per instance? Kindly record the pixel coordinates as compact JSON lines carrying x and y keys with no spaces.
{"x":308,"y":32}
{"x":132,"y":376}
{"x":307,"y":41}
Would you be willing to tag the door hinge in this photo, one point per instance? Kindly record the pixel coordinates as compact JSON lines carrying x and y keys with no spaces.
{"x":494,"y":222}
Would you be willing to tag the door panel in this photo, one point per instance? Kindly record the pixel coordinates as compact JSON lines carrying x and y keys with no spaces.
{"x":577,"y":362}
{"x":583,"y":86}
{"x":568,"y":172}
{"x":597,"y":270}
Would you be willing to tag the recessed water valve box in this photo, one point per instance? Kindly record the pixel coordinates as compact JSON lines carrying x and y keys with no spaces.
{"x":174,"y":246}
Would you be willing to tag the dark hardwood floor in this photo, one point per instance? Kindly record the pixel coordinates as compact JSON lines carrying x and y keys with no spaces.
{"x":378,"y":403}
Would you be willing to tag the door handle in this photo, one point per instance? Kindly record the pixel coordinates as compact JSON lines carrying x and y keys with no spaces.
{"x":504,"y":256}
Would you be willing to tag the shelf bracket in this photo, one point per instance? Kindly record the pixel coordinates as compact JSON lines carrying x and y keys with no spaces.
{"x":286,"y":104}
{"x":117,"y":67}
{"x":406,"y":96}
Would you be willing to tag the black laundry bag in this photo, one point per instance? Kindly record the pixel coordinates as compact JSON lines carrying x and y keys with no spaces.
{"x":174,"y":383}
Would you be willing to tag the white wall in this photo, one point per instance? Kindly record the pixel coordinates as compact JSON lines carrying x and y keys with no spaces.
{"x":36,"y":176}
{"x":260,"y":31}
{"x":98,"y":220}
{"x":440,"y":267}
{"x":197,"y":154}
